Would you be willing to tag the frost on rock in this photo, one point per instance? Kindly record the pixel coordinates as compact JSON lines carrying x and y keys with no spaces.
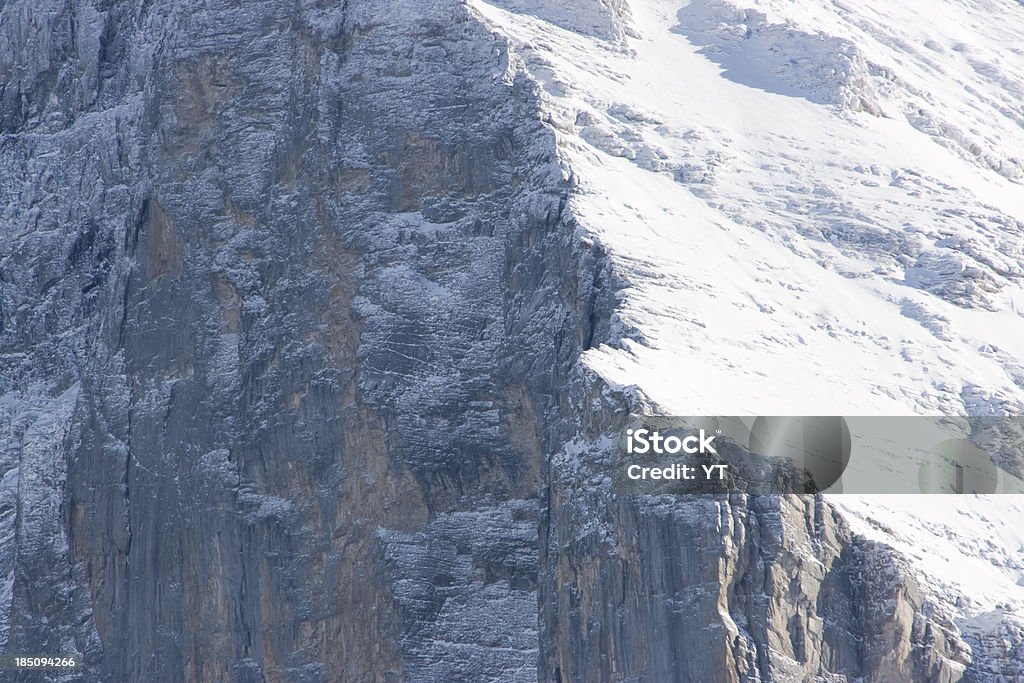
{"x":456,"y":582}
{"x":273,"y":278}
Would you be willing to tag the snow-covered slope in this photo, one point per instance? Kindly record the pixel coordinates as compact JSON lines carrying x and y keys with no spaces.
{"x":818,"y":208}
{"x":767,"y":224}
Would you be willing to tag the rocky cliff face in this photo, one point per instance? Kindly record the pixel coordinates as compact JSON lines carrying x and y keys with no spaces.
{"x":285,"y":307}
{"x":292,"y":304}
{"x":739,"y":589}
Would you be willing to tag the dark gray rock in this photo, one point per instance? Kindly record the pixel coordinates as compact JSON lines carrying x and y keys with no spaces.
{"x":280,"y":285}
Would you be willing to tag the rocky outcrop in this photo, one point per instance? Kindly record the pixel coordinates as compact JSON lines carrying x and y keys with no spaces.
{"x":733,"y":588}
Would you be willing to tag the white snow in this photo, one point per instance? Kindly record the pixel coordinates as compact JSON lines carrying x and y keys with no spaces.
{"x":819,"y":210}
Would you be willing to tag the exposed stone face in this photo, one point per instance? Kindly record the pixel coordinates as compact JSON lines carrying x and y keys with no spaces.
{"x":734,"y":588}
{"x":276,"y":276}
{"x":290,"y":307}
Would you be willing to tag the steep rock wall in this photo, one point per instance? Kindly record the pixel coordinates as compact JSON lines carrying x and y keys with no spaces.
{"x":286,"y":299}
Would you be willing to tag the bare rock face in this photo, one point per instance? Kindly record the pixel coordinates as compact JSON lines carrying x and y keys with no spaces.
{"x":284,"y":307}
{"x":733,"y":588}
{"x":290,"y":307}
